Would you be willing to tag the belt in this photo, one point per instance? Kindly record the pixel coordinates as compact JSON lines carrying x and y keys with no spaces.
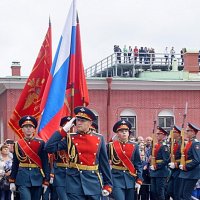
{"x":123,"y":169}
{"x":61,"y":165}
{"x":119,"y":168}
{"x":159,"y":161}
{"x":83,"y":167}
{"x":29,"y":165}
{"x":188,"y":161}
{"x":178,"y":161}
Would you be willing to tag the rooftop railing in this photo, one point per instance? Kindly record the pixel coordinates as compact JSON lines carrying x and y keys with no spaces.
{"x":120,"y":64}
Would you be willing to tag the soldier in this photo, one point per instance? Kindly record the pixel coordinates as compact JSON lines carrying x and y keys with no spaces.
{"x":174,"y":180}
{"x":58,"y":175}
{"x":30,"y":169}
{"x":190,"y":172}
{"x":159,"y":170}
{"x":87,"y":156}
{"x":94,"y":127}
{"x":125,"y":163}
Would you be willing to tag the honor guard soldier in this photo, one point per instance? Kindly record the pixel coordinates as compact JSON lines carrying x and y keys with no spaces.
{"x":175,"y":156}
{"x":60,"y":162}
{"x":159,"y":167}
{"x":190,"y":172}
{"x":125,"y":163}
{"x":87,"y":156}
{"x":94,"y":127}
{"x":30,"y":169}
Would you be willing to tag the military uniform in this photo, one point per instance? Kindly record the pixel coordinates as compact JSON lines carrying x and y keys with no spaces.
{"x":30,"y":167}
{"x":174,"y":180}
{"x":126,"y":165}
{"x":160,"y":171}
{"x":190,"y":173}
{"x":60,"y":162}
{"x":87,"y":156}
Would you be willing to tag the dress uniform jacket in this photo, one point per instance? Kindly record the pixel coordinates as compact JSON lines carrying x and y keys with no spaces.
{"x":24,"y":171}
{"x":87,"y":156}
{"x":120,"y":174}
{"x":192,"y":156}
{"x":162,"y":159}
{"x":59,"y":169}
{"x":177,"y":155}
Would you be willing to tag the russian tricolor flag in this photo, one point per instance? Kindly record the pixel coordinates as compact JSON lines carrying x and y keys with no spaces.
{"x":54,"y":94}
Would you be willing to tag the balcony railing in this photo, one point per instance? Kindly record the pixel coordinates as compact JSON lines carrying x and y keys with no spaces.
{"x":118,"y":64}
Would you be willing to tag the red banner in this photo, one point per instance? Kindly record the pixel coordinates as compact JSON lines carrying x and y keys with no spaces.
{"x":76,"y":78}
{"x":30,"y":99}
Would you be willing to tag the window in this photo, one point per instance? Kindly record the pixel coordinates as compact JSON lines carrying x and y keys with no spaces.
{"x":130,"y":116}
{"x":166,"y":119}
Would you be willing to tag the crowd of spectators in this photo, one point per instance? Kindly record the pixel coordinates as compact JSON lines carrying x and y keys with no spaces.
{"x":144,"y":55}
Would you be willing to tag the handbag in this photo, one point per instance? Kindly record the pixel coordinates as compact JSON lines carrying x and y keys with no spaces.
{"x":4,"y":183}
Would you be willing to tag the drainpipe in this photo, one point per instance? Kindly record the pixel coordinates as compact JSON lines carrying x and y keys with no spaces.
{"x":109,"y":81}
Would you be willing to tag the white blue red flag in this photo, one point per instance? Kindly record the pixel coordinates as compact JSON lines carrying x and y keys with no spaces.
{"x":54,"y":94}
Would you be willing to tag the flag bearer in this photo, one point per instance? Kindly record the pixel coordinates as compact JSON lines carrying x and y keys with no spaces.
{"x":125,"y":163}
{"x":30,"y":169}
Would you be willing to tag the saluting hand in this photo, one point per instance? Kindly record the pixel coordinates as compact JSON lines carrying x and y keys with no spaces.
{"x":69,"y":124}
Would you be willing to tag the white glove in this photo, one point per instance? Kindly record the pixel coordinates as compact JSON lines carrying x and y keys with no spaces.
{"x":12,"y":187}
{"x":152,"y":167}
{"x":51,"y":180}
{"x":137,"y":187}
{"x":44,"y":188}
{"x":181,"y":167}
{"x":105,"y":193}
{"x":172,"y":165}
{"x":68,"y":125}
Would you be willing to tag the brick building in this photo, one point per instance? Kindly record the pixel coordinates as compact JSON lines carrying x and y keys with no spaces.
{"x":160,"y":95}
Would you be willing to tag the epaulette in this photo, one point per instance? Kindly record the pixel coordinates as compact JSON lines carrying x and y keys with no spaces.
{"x":164,"y":143}
{"x":37,"y":138}
{"x":196,"y":140}
{"x":98,"y":133}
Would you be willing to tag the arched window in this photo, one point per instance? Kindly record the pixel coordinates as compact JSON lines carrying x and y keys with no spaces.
{"x":166,"y":119}
{"x":130,"y":116}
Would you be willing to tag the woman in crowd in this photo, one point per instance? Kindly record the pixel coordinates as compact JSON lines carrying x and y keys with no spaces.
{"x":5,"y":170}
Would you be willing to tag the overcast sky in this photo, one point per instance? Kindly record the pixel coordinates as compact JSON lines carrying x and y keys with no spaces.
{"x":103,"y":23}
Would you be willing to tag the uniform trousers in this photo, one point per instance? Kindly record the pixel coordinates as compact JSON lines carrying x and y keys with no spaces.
{"x":173,"y":189}
{"x":158,"y":188}
{"x":83,"y":197}
{"x":123,"y":194}
{"x":186,"y":188}
{"x":61,"y":192}
{"x":30,"y":193}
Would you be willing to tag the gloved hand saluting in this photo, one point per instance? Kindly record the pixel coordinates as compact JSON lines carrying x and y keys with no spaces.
{"x":69,"y":124}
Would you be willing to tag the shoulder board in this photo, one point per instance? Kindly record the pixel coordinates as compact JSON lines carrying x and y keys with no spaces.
{"x":36,"y":138}
{"x":164,"y":143}
{"x":196,"y":140}
{"x":98,"y":133}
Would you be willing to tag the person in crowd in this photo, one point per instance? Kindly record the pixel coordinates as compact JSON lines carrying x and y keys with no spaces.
{"x":166,"y":55}
{"x":130,"y":51}
{"x":5,"y":170}
{"x":30,"y":169}
{"x":190,"y":171}
{"x":125,"y":163}
{"x":172,"y":53}
{"x":159,"y":165}
{"x":144,"y":190}
{"x":117,"y":51}
{"x":87,"y":157}
{"x":10,"y":144}
{"x":140,"y":139}
{"x":125,"y":51}
{"x":141,"y":54}
{"x":175,"y":156}
{"x":136,"y":54}
{"x":196,"y":191}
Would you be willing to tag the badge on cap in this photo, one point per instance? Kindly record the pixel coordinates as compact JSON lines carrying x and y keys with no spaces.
{"x":82,"y":110}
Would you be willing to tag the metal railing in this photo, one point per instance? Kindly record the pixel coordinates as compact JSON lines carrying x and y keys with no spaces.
{"x":119,"y":63}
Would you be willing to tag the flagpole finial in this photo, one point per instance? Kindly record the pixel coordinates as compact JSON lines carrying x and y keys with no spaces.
{"x":49,"y":20}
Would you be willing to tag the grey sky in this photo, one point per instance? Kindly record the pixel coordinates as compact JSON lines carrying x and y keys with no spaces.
{"x":103,"y":23}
